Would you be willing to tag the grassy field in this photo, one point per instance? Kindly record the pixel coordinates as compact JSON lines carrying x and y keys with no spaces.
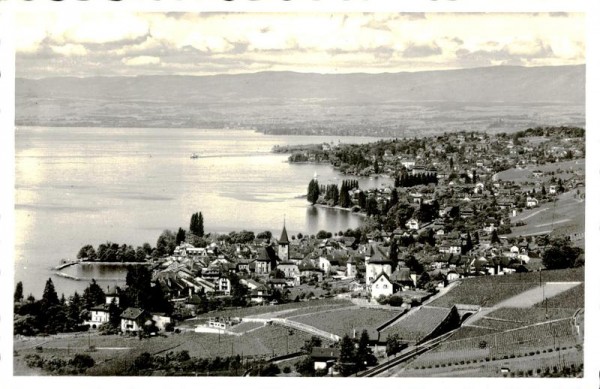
{"x":568,"y":211}
{"x":418,"y":324}
{"x":526,"y":174}
{"x":115,"y":353}
{"x":273,"y":309}
{"x":571,"y":299}
{"x":488,"y":291}
{"x":345,"y":321}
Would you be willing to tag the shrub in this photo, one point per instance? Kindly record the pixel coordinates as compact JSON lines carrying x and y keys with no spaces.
{"x":82,"y":361}
{"x":287,"y":370}
{"x":270,"y":370}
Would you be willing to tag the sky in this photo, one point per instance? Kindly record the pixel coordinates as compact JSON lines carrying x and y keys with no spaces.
{"x":107,"y":44}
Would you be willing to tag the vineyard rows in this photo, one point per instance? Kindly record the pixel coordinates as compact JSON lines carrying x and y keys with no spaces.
{"x":532,"y":339}
{"x":419,"y":324}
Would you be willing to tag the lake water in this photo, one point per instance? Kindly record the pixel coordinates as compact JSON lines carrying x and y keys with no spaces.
{"x":76,"y":186}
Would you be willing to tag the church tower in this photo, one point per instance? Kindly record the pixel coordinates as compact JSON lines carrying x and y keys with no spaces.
{"x":284,"y":246}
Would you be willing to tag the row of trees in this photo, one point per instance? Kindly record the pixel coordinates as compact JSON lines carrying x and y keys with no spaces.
{"x":408,"y":180}
{"x":113,"y":252}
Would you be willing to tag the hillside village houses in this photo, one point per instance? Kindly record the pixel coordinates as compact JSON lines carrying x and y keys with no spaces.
{"x":456,"y":228}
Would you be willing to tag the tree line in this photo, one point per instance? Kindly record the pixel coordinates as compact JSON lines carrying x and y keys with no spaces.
{"x":52,"y":314}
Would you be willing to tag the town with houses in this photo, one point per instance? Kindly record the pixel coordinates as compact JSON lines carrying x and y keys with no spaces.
{"x":468,"y":222}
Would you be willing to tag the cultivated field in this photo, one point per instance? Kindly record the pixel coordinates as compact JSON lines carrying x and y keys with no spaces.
{"x":567,"y":211}
{"x":539,"y":338}
{"x":525,"y":366}
{"x":114,"y":353}
{"x":418,"y":324}
{"x":272,"y":310}
{"x":526,"y":174}
{"x":571,"y":299}
{"x":488,"y":291}
{"x":346,"y":321}
{"x":510,"y":318}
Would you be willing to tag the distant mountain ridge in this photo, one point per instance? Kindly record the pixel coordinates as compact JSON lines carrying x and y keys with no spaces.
{"x":388,"y":104}
{"x":511,"y":84}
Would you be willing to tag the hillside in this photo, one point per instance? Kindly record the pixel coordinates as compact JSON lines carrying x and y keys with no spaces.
{"x":295,"y":101}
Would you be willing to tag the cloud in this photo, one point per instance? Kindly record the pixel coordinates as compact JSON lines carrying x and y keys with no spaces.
{"x":141,"y":61}
{"x":70,"y":49}
{"x":173,"y":43}
{"x":424,"y":50}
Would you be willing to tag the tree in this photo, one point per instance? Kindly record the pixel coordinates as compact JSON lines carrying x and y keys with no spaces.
{"x":560,"y":255}
{"x":87,"y":252}
{"x":313,"y":191}
{"x":347,"y":356}
{"x":74,"y":309}
{"x":180,"y":237}
{"x":468,"y":245}
{"x":197,"y":224}
{"x":265,"y":235}
{"x":166,"y":243}
{"x":394,"y":254}
{"x":49,"y":297}
{"x":364,"y":355}
{"x":323,"y":234}
{"x":82,"y":361}
{"x":362,"y":200}
{"x":305,"y":367}
{"x":18,"y":296}
{"x":392,"y":345}
{"x":93,"y":295}
{"x":495,"y":238}
{"x":372,"y":206}
{"x":138,"y":280}
{"x":313,"y":342}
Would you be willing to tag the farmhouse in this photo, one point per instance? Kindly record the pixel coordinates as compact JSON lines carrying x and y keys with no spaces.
{"x":133,"y":319}
{"x":324,"y":358}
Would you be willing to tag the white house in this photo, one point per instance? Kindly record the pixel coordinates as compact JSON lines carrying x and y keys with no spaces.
{"x":98,"y":316}
{"x":531,"y":202}
{"x":382,"y":286}
{"x":408,"y":164}
{"x":412,"y":224}
{"x":324,"y":264}
{"x":223,"y":285}
{"x":133,"y":319}
{"x":161,"y":320}
{"x":375,"y":264}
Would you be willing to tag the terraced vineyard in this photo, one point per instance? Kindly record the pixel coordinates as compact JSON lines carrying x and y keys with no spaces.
{"x":417,"y":325}
{"x":267,"y":309}
{"x":345,"y":321}
{"x":487,"y":291}
{"x":264,"y":342}
{"x":509,"y":318}
{"x":470,"y":332}
{"x":572,"y":298}
{"x":531,"y":340}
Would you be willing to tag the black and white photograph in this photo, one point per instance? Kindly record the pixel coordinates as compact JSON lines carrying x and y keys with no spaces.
{"x":299,"y":194}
